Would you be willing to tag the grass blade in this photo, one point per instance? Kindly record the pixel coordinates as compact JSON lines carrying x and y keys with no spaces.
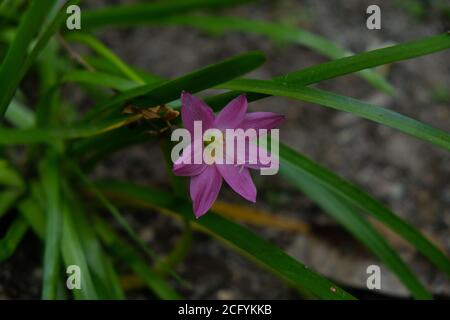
{"x":131,"y":257}
{"x":107,"y":54}
{"x":43,"y":40}
{"x":44,"y":135}
{"x":369,"y":59}
{"x":156,"y":94}
{"x":345,"y":214}
{"x":277,"y":32}
{"x":19,"y":115}
{"x":73,"y":254}
{"x":115,"y":213}
{"x":102,"y":65}
{"x":126,"y":15}
{"x":103,"y":275}
{"x":238,"y":237}
{"x":51,"y":185}
{"x":10,"y":75}
{"x":367,"y":204}
{"x":30,"y":209}
{"x":347,"y":65}
{"x":9,"y":176}
{"x":100,"y":79}
{"x":362,"y":109}
{"x":8,"y":199}
{"x":11,"y":240}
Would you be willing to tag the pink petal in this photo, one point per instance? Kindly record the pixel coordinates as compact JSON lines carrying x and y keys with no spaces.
{"x":194,"y":109}
{"x":239,"y":179}
{"x":204,"y":189}
{"x":252,"y":152}
{"x":261,"y":120}
{"x":183,"y":169}
{"x":255,"y":154}
{"x":184,"y":165}
{"x":233,"y":114}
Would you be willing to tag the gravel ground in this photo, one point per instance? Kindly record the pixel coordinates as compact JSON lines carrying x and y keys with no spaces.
{"x":409,"y":176}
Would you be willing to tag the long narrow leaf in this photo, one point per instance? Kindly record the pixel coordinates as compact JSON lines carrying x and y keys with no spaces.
{"x":132,"y":258}
{"x":34,"y":215}
{"x":73,"y":254}
{"x":240,"y":238}
{"x":10,"y":75}
{"x":126,"y":15}
{"x":45,"y":36}
{"x":51,"y":184}
{"x":104,"y":276}
{"x":347,"y":65}
{"x":19,"y":115}
{"x":100,"y":79}
{"x":362,"y":109}
{"x":343,"y":212}
{"x":367,"y":204}
{"x":107,"y":54}
{"x":49,"y":134}
{"x":12,"y":238}
{"x":277,"y":32}
{"x":156,"y":94}
{"x":369,"y":59}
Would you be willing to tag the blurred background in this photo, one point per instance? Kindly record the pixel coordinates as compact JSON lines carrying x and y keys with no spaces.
{"x":409,"y":176}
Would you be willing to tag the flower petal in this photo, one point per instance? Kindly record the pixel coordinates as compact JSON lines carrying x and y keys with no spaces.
{"x":204,"y":189}
{"x":239,"y":179}
{"x":181,"y":168}
{"x":194,"y":109}
{"x":184,"y":165}
{"x":261,"y":155}
{"x":261,"y":120}
{"x":233,"y":114}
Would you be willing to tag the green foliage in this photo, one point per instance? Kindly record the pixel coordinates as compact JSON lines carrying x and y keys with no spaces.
{"x":299,"y":276}
{"x":50,"y":193}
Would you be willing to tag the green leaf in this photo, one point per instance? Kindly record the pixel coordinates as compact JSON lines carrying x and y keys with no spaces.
{"x":73,"y":254}
{"x":105,"y":66}
{"x":97,"y":147}
{"x":49,"y":134}
{"x":50,"y":175}
{"x":369,"y":59}
{"x":11,"y":240}
{"x":8,"y":199}
{"x":100,"y":79}
{"x":84,"y":248}
{"x":114,"y":212}
{"x":102,"y":271}
{"x":49,"y":101}
{"x":347,"y":65}
{"x":132,"y":258}
{"x":277,"y":32}
{"x":10,"y":75}
{"x":19,"y":115}
{"x":157,"y":94}
{"x":9,"y":176}
{"x":238,"y":237}
{"x":118,"y":217}
{"x":366,"y":203}
{"x":45,"y":36}
{"x":126,"y":15}
{"x":346,"y":214}
{"x":30,"y":209}
{"x":362,"y":109}
{"x":107,"y":54}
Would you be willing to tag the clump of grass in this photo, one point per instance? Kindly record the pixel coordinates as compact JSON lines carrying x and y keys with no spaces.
{"x":49,"y":193}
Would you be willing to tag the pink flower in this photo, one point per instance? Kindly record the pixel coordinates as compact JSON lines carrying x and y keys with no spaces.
{"x":206,"y":180}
